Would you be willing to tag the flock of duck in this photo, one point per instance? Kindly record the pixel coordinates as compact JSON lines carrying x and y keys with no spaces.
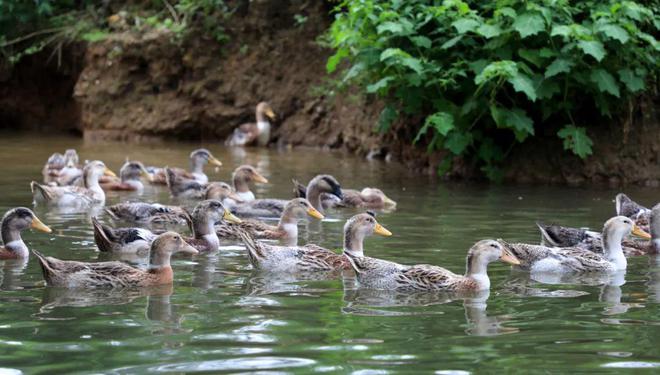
{"x":231,"y":212}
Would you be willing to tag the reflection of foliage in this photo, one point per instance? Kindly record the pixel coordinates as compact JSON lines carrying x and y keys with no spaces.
{"x":481,"y":66}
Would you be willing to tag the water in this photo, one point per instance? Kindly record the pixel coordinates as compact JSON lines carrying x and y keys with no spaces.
{"x":220,"y":316}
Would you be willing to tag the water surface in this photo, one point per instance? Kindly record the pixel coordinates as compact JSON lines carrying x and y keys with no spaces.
{"x":220,"y":316}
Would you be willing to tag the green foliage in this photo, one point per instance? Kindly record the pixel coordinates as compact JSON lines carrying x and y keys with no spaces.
{"x":488,"y":73}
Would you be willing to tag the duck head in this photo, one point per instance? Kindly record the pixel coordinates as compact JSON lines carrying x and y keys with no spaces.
{"x":357,"y":228}
{"x":133,"y":170}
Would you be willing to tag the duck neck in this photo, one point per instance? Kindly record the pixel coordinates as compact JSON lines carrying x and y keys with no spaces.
{"x":476,"y":268}
{"x":11,"y":238}
{"x":241,"y":184}
{"x":353,"y":242}
{"x":91,"y":182}
{"x":313,"y":194}
{"x":159,"y":260}
{"x":655,"y":230}
{"x":613,"y":250}
{"x":204,"y":229}
{"x":197,"y":166}
{"x":289,"y":224}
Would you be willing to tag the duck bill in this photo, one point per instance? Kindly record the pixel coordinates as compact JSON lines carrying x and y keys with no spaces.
{"x":215,"y":161}
{"x":147,"y":175}
{"x":389,"y":202}
{"x":313,"y":212}
{"x":639,"y":232}
{"x":187,"y":249}
{"x":509,"y":258}
{"x":271,"y":114}
{"x":231,"y":218}
{"x":38,"y":225}
{"x":259,"y":178}
{"x":108,"y":172}
{"x":235,"y":197}
{"x":381,"y":230}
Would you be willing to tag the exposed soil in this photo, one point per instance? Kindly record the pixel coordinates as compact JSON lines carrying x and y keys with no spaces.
{"x":140,"y":86}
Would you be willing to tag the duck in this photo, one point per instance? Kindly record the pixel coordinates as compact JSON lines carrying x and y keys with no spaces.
{"x":150,"y":214}
{"x":241,"y":178}
{"x":254,"y":133}
{"x":311,"y":258}
{"x":129,"y":174}
{"x":13,"y":223}
{"x":223,"y":192}
{"x":560,"y":236}
{"x":198,"y":159}
{"x":52,"y":168}
{"x":629,"y":208}
{"x":73,"y":274}
{"x":286,"y":229}
{"x":64,"y":196}
{"x":367,"y":198}
{"x":182,"y":187}
{"x":373,"y":273}
{"x":137,"y":240}
{"x":71,"y":173}
{"x":538,"y":258}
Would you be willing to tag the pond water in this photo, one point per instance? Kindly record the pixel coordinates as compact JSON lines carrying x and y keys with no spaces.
{"x":219,"y":316}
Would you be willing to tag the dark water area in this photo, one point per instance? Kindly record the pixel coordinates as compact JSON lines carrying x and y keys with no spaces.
{"x":220,"y":316}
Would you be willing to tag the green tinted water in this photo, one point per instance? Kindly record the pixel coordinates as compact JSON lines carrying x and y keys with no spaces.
{"x":220,"y":316}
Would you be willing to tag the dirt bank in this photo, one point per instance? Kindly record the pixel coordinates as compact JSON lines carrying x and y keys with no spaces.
{"x":145,"y":85}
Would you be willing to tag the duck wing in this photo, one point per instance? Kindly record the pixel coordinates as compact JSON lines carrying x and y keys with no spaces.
{"x":243,"y":135}
{"x":428,"y":277}
{"x":257,"y":229}
{"x":260,"y":208}
{"x":316,"y":258}
{"x":557,"y":235}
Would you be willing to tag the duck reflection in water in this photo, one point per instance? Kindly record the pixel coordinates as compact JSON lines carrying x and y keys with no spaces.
{"x":362,"y":301}
{"x":11,"y":272}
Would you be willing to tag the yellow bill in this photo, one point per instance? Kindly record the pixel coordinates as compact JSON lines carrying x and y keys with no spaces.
{"x":215,"y":161}
{"x":509,"y":258}
{"x":270,"y":113}
{"x":313,"y":212}
{"x":108,"y":172}
{"x":231,"y":218}
{"x":259,"y":178}
{"x":639,"y":232}
{"x":379,"y":229}
{"x":389,"y":202}
{"x":38,"y":225}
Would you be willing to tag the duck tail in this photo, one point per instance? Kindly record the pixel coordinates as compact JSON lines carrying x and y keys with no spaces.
{"x":254,"y":248}
{"x":102,"y":235}
{"x":546,"y":237}
{"x":40,"y":190}
{"x":299,"y":190}
{"x":46,"y":268}
{"x":170,"y":180}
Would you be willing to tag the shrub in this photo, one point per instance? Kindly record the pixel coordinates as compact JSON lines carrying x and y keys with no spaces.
{"x":487,"y":74}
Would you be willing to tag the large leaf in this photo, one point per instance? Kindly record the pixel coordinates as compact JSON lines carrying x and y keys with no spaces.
{"x":489,"y":31}
{"x":576,"y":140}
{"x":451,"y":42}
{"x":561,"y":30}
{"x":530,"y":23}
{"x":615,"y":32}
{"x":522,"y":83}
{"x":335,"y":59}
{"x":515,"y":119}
{"x":560,"y":65}
{"x":506,"y":68}
{"x":392,"y":52}
{"x":421,"y":41}
{"x":604,"y":81}
{"x":413,"y":64}
{"x":441,"y":122}
{"x":593,"y":48}
{"x":465,"y":25}
{"x":392,"y":27}
{"x":381,"y":84}
{"x":633,"y":82}
{"x":457,"y":142}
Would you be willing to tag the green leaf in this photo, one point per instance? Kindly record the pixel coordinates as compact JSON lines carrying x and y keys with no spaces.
{"x":381,"y":84}
{"x":451,"y":42}
{"x":515,"y":119}
{"x":547,"y":89}
{"x":593,"y":48}
{"x":576,"y":140}
{"x":441,"y":122}
{"x":633,"y":82}
{"x":335,"y":59}
{"x":531,"y":55}
{"x":604,"y":81}
{"x":392,"y":27}
{"x":457,"y":142}
{"x":392,"y":52}
{"x":560,"y":65}
{"x":489,"y":31}
{"x":94,"y":35}
{"x":421,"y":41}
{"x":489,"y":151}
{"x":386,"y":118}
{"x":506,"y":11}
{"x":465,"y":25}
{"x":413,"y":64}
{"x":530,"y":23}
{"x":615,"y":32}
{"x":522,"y":83}
{"x":561,"y":30}
{"x":506,"y":68}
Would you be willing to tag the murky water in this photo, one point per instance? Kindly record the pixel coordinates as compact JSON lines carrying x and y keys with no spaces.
{"x":220,"y":316}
